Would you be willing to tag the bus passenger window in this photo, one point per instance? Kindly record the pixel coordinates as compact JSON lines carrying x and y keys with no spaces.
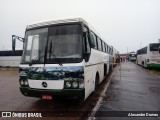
{"x":99,"y":44}
{"x":94,"y":38}
{"x":102,"y":45}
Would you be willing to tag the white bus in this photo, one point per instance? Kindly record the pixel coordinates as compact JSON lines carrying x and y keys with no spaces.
{"x":62,"y":58}
{"x":149,"y":56}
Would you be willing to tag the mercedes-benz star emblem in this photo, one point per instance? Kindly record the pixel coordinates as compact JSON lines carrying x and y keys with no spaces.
{"x":44,"y":84}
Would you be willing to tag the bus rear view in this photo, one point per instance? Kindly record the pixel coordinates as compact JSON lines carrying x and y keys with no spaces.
{"x":149,"y":56}
{"x":154,"y":55}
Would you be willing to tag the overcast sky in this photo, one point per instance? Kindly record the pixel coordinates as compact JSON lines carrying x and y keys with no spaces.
{"x":122,"y":23}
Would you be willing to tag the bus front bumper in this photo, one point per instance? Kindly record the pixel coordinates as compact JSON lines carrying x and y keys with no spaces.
{"x":26,"y":91}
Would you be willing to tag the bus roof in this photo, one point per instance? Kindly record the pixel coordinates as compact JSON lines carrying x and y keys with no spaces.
{"x":154,"y":44}
{"x":52,"y":22}
{"x":58,"y":21}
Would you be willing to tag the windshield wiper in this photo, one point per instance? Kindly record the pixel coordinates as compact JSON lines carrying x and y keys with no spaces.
{"x":51,"y":53}
{"x":35,"y":60}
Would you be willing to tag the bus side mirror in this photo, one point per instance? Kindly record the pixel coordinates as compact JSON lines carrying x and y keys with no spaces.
{"x":86,"y":56}
{"x":13,"y":43}
{"x":14,"y":37}
{"x":159,"y":49}
{"x":90,"y":39}
{"x":87,"y":50}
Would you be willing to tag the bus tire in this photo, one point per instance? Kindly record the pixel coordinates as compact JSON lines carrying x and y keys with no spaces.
{"x":105,"y":70}
{"x":142,"y":63}
{"x":110,"y":69}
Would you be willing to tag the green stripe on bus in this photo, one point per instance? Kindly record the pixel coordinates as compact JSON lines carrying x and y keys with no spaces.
{"x":153,"y":65}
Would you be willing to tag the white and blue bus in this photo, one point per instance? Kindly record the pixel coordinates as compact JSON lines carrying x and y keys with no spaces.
{"x":149,"y":56}
{"x":63,"y":58}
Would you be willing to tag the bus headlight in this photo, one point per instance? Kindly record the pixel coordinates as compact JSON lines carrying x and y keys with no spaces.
{"x":68,"y":84}
{"x":74,"y":84}
{"x":26,"y":82}
{"x":21,"y":82}
{"x":81,"y":84}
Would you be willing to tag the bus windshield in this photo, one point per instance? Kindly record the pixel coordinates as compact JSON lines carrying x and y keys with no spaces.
{"x":154,"y":47}
{"x":62,"y":43}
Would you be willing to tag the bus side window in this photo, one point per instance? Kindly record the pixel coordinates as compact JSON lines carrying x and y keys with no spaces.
{"x":99,"y":44}
{"x":107,"y":49}
{"x":104,"y":49}
{"x":102,"y":45}
{"x":94,"y":38}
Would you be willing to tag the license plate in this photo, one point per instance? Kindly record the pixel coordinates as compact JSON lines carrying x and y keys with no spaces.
{"x":46,"y":97}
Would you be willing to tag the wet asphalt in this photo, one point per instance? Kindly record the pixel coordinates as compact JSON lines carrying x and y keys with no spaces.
{"x":132,"y":88}
{"x":12,"y":100}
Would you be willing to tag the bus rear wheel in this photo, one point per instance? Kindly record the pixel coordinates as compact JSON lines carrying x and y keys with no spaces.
{"x":105,"y":70}
{"x":142,"y":63}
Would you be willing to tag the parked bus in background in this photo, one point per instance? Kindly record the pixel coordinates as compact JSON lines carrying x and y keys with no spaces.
{"x":62,"y":58}
{"x":115,"y":54}
{"x":132,"y":56}
{"x":149,"y":56}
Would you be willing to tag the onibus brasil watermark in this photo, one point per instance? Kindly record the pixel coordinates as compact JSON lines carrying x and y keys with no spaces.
{"x":21,"y":114}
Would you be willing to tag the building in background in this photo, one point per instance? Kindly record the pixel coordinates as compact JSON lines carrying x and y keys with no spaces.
{"x":10,"y":58}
